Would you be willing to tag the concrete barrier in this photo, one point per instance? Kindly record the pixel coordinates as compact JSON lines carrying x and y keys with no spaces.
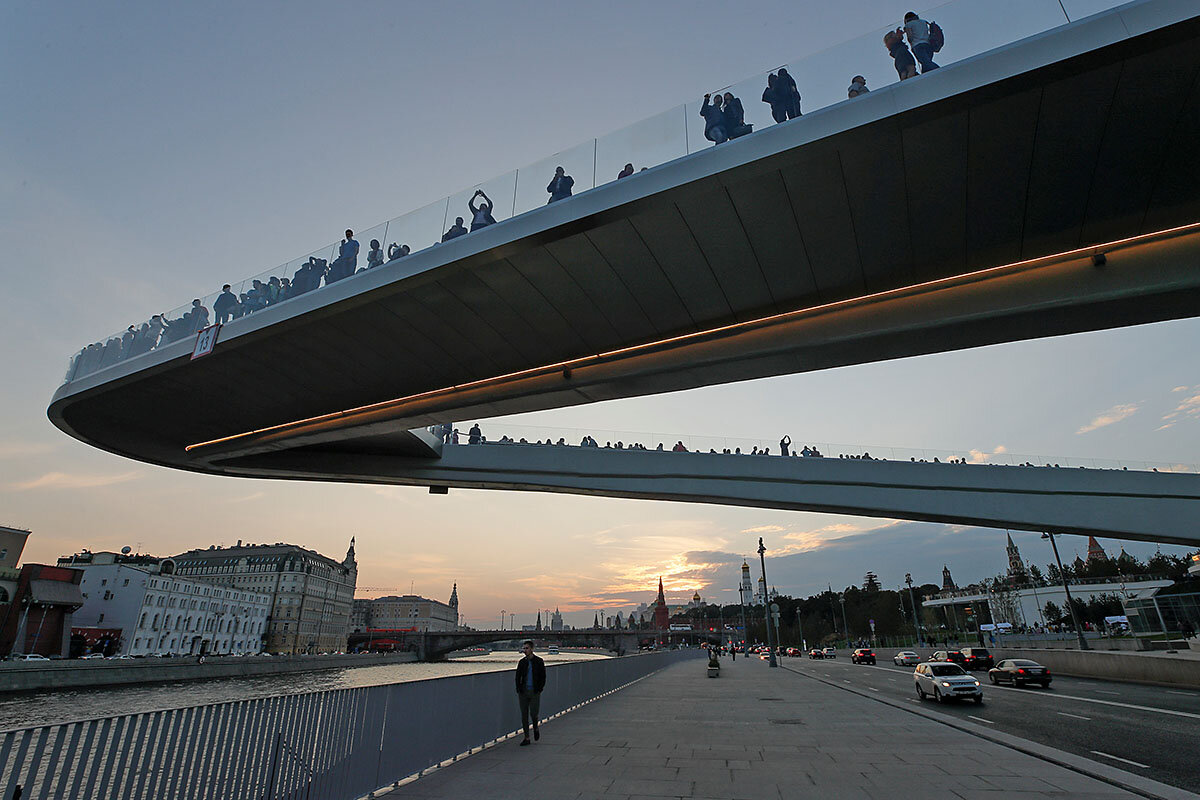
{"x":18,"y":676}
{"x":1162,"y":670}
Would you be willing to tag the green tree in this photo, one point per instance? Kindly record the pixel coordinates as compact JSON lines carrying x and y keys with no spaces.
{"x":1053,"y":614}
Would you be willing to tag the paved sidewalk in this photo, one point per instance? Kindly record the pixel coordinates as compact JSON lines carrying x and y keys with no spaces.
{"x":752,"y":734}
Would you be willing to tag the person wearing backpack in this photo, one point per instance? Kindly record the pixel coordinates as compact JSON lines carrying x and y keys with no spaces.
{"x":919,"y":33}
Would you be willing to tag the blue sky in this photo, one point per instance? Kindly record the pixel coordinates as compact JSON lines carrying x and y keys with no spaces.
{"x":150,"y":152}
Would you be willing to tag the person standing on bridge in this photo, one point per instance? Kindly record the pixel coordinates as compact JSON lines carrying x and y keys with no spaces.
{"x":531,"y":680}
{"x":906,"y":65}
{"x":560,"y":186}
{"x":784,"y":444}
{"x":924,"y":38}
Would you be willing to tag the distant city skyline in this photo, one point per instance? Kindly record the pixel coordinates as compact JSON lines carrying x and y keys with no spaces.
{"x":139,"y":168}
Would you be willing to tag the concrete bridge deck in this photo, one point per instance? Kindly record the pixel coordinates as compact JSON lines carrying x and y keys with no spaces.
{"x":753,"y":734}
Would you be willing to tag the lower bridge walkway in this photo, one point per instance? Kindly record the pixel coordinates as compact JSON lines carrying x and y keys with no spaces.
{"x":754,"y":733}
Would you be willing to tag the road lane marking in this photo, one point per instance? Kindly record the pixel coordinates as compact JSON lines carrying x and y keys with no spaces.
{"x":845,"y":681}
{"x":872,"y":688}
{"x":1122,"y":760}
{"x":981,"y":719}
{"x":1186,"y":694}
{"x":1097,"y":700}
{"x":1073,"y":716}
{"x":1104,"y":691}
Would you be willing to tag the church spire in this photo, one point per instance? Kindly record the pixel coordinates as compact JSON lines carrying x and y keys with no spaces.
{"x":662,"y":600}
{"x":454,"y":597}
{"x":349,"y":560}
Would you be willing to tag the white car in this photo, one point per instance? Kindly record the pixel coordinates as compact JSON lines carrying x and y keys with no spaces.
{"x":29,"y":657}
{"x":91,"y":656}
{"x":946,"y":681}
{"x":830,"y":652}
{"x":906,"y":658}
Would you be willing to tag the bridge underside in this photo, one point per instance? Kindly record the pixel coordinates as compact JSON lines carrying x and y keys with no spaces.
{"x":958,"y":210}
{"x":1146,"y":506}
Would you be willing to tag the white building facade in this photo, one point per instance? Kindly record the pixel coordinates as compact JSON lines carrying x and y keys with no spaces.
{"x":159,"y":612}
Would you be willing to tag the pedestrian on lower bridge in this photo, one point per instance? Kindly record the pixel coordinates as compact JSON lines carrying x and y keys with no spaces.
{"x":531,"y":680}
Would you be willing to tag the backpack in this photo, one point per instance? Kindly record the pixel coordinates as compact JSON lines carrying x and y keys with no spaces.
{"x":937,"y":39}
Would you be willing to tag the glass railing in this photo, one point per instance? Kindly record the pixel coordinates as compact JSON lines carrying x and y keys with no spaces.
{"x":971,"y":27}
{"x":508,"y":433}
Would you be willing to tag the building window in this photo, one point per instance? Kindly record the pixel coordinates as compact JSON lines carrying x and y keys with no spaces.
{"x":99,"y":619}
{"x":126,"y":583}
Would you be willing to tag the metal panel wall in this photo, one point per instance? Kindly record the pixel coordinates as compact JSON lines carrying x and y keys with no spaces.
{"x":335,"y":745}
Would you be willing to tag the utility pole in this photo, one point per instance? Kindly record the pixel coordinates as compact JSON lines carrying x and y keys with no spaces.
{"x":912,"y":599}
{"x":800,"y":628}
{"x":845,"y":624}
{"x":1083,"y":645}
{"x":762,"y":549}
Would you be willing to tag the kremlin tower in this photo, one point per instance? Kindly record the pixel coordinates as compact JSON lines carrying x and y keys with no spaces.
{"x":662,"y":617}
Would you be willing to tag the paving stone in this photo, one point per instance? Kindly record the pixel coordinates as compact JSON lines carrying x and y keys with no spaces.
{"x":676,"y":734}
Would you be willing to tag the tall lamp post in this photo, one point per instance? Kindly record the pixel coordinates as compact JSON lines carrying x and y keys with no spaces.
{"x":916,"y":616}
{"x":800,"y":629}
{"x":845,"y":624}
{"x":1083,"y":645}
{"x":762,"y":560}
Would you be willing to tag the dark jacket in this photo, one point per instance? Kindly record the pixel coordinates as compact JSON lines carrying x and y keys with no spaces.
{"x":539,"y":673}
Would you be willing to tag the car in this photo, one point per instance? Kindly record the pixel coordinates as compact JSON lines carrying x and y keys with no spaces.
{"x":830,"y":652}
{"x":863,"y":655}
{"x":906,"y":658}
{"x":27,"y":657}
{"x":120,"y":658}
{"x":946,"y":681}
{"x":953,"y":656}
{"x":794,"y":651}
{"x":90,"y":656}
{"x":977,"y":658}
{"x":1019,"y":672}
{"x":816,"y":653}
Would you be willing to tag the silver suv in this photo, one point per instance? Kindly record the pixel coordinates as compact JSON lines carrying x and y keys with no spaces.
{"x":946,"y":681}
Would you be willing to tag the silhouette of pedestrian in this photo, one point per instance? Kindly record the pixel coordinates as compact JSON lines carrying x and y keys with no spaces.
{"x":481,"y":215}
{"x":456,"y":230}
{"x":374,"y":255}
{"x":531,"y":680}
{"x":858,"y":86}
{"x":714,"y":119}
{"x":772,"y":98}
{"x":735,"y":117}
{"x":225,"y":304}
{"x":784,"y":444}
{"x":789,"y":93}
{"x":920,"y":38}
{"x":625,"y":172}
{"x":560,"y":186}
{"x":906,"y":65}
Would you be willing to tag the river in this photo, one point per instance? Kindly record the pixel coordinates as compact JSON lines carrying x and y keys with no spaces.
{"x":26,"y":709}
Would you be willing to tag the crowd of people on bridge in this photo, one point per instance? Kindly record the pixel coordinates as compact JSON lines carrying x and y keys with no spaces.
{"x":910,"y":45}
{"x":447,"y":433}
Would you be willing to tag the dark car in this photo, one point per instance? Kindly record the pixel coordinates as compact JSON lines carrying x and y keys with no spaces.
{"x":977,"y":658}
{"x":953,"y":656}
{"x":862,"y":655}
{"x":1020,"y":671}
{"x":815,"y":653}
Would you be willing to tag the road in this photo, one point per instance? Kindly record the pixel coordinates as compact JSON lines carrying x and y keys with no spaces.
{"x":1148,"y":730}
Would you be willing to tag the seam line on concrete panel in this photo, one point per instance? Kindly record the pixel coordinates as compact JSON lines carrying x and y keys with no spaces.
{"x":800,"y":233}
{"x":1112,"y":104}
{"x":703,"y":255}
{"x":1171,"y":136}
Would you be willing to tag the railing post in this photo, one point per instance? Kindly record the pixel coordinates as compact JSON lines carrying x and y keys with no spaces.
{"x":274,"y":766}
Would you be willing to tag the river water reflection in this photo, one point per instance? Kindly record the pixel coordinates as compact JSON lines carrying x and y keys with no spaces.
{"x":26,"y":709}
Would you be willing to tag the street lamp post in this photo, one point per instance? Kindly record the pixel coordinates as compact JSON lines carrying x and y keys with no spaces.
{"x":916,"y":616}
{"x":1083,"y":645}
{"x":845,"y":624}
{"x":762,"y":560}
{"x":800,"y":629}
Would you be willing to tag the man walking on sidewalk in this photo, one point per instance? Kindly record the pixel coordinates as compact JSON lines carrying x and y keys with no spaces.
{"x":531,"y":679}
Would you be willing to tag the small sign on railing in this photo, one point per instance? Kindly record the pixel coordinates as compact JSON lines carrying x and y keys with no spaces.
{"x":206,"y":340}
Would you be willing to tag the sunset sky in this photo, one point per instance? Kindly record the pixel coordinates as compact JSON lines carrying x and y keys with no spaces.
{"x":151,"y":152}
